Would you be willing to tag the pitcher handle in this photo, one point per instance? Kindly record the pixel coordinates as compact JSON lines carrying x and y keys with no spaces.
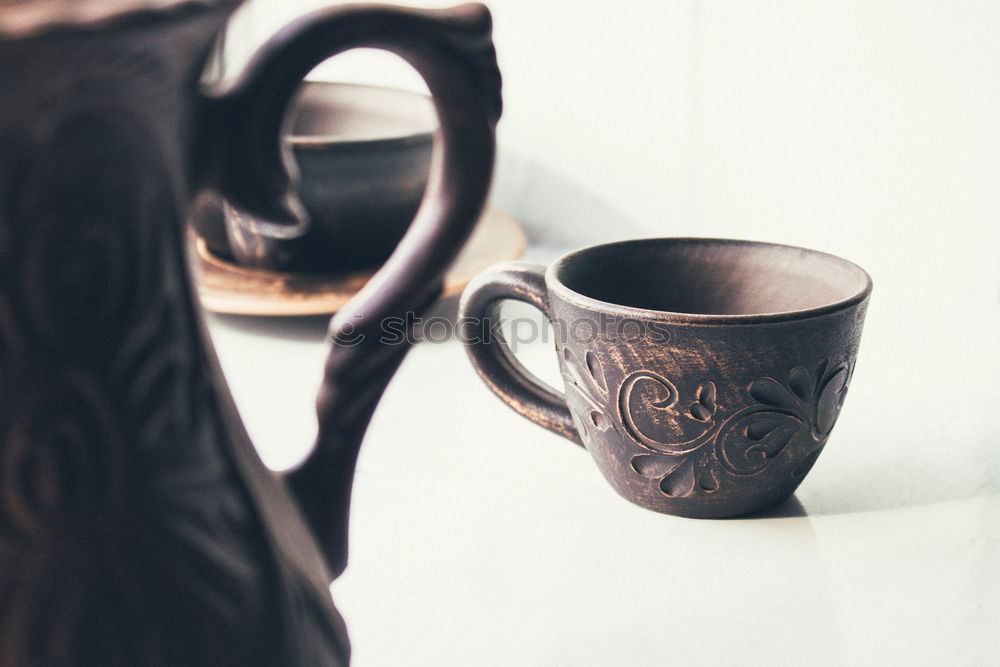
{"x":452,"y":50}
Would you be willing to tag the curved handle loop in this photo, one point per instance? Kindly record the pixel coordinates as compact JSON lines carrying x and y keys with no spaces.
{"x":452,"y":50}
{"x":490,"y":354}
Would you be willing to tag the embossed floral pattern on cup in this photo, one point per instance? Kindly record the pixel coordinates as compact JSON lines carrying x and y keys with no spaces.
{"x":683,"y":457}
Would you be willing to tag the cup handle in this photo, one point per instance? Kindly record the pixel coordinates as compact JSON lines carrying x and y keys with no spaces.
{"x":491,"y":356}
{"x":452,"y":49}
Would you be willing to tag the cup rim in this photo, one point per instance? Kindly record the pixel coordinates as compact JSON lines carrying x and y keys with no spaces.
{"x":552,"y":278}
{"x":317,"y":142}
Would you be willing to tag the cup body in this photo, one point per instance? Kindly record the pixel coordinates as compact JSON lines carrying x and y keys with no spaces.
{"x":704,"y":376}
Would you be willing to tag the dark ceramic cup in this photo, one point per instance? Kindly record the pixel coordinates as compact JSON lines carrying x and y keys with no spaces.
{"x":704,"y":376}
{"x":363,"y":155}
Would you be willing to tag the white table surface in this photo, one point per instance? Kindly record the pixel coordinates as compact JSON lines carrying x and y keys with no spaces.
{"x":478,"y":538}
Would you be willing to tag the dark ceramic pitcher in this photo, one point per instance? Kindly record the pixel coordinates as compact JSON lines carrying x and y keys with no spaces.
{"x":137,"y":524}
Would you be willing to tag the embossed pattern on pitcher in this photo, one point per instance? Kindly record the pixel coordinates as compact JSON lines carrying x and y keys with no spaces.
{"x":126,"y":534}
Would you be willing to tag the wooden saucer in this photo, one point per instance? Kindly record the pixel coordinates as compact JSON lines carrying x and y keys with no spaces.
{"x":225,"y":287}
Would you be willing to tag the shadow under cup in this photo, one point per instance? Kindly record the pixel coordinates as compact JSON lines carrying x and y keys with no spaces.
{"x":704,"y":376}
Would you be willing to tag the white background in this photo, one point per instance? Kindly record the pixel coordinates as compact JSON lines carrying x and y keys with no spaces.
{"x":867,"y":129}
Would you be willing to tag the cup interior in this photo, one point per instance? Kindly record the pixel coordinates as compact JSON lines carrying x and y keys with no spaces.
{"x":712,"y":277}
